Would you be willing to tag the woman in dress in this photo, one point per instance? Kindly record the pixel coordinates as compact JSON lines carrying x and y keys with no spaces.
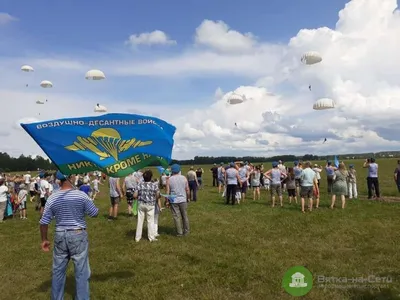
{"x":339,"y":186}
{"x":255,"y":182}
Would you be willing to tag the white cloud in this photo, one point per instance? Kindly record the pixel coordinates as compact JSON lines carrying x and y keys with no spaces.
{"x":156,"y":37}
{"x":218,"y":36}
{"x":360,"y":71}
{"x":6,"y":18}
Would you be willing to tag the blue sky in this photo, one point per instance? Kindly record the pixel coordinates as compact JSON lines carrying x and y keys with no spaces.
{"x":201,"y":46}
{"x":63,"y":25}
{"x":73,"y":28}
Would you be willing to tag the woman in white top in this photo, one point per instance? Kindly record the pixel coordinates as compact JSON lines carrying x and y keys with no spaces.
{"x":3,"y":198}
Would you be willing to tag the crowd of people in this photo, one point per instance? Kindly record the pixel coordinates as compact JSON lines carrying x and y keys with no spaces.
{"x":301,"y":180}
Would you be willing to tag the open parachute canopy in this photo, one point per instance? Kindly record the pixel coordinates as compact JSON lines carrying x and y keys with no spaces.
{"x":39,"y":102}
{"x":95,"y":75}
{"x":311,"y":58}
{"x":324,"y":103}
{"x":27,"y":68}
{"x":46,"y":84}
{"x":100,"y":108}
{"x":236,"y":99}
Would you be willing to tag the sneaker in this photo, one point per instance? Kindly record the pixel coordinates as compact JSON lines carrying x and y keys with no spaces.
{"x":156,"y":235}
{"x":137,"y":241}
{"x":153,"y":240}
{"x":179,"y":235}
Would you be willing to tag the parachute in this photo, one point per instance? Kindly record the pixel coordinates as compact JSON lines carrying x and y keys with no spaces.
{"x":95,"y":75}
{"x":39,"y":102}
{"x":311,"y":58}
{"x":46,"y":84}
{"x":236,"y":99}
{"x":324,"y":103}
{"x":100,"y":108}
{"x":27,"y":69}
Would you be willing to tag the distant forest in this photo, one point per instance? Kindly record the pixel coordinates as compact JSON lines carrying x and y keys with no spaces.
{"x":25,"y":163}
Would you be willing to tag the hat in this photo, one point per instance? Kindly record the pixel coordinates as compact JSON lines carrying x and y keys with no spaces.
{"x":274,"y":164}
{"x":296,"y":163}
{"x":315,"y":165}
{"x":60,"y":176}
{"x":221,"y":163}
{"x":175,"y":168}
{"x":85,"y":180}
{"x":351,"y":166}
{"x":22,"y":186}
{"x":215,"y":164}
{"x":41,"y":175}
{"x":232,"y":164}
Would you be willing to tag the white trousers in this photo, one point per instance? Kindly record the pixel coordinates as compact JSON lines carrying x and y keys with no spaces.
{"x":156,"y":215}
{"x":145,"y":211}
{"x":352,"y":187}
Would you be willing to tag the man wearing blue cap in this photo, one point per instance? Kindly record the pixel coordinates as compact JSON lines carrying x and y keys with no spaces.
{"x":68,"y":206}
{"x":178,"y":186}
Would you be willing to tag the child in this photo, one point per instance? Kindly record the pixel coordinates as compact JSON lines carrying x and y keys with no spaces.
{"x":85,"y":187}
{"x":291,"y":185}
{"x":96,"y":183}
{"x":22,"y":195}
{"x":157,"y":212}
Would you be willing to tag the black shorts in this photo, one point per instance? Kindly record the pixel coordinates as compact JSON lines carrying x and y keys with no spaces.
{"x":243,"y":189}
{"x":292,"y":192}
{"x":306,"y":192}
{"x":114,"y":200}
{"x":297,"y":182}
{"x":43,"y":202}
{"x":129,"y":197}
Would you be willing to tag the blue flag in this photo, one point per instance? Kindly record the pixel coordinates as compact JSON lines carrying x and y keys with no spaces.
{"x":336,"y":162}
{"x":171,"y":198}
{"x":116,"y":144}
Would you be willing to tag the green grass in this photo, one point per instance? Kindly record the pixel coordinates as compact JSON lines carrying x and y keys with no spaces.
{"x":238,"y":252}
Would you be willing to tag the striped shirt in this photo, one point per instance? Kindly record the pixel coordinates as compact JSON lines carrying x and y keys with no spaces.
{"x":69,"y":208}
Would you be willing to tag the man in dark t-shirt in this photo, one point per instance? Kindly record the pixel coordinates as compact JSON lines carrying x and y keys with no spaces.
{"x":397,"y":175}
{"x":214,"y":171}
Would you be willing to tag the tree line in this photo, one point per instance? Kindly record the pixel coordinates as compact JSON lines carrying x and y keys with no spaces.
{"x":24,"y":163}
{"x":29,"y":163}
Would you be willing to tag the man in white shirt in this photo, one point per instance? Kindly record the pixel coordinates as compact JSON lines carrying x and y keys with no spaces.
{"x":27,"y":179}
{"x":44,"y":189}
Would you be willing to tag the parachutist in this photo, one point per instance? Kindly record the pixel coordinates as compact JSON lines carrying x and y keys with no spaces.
{"x":309,"y":87}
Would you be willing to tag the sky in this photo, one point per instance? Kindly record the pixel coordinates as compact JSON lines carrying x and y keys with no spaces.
{"x":182,"y":61}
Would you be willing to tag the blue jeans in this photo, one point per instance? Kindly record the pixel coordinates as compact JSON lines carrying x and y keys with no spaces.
{"x":70,"y":245}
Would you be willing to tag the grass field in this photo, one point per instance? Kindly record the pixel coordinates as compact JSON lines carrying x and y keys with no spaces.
{"x":239,"y":252}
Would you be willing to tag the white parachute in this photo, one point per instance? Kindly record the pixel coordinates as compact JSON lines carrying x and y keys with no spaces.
{"x":235,"y":98}
{"x":95,"y":75}
{"x":100,"y":108}
{"x":323,"y":104}
{"x":46,"y":84}
{"x":39,"y":102}
{"x":311,"y":58}
{"x":27,"y":69}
